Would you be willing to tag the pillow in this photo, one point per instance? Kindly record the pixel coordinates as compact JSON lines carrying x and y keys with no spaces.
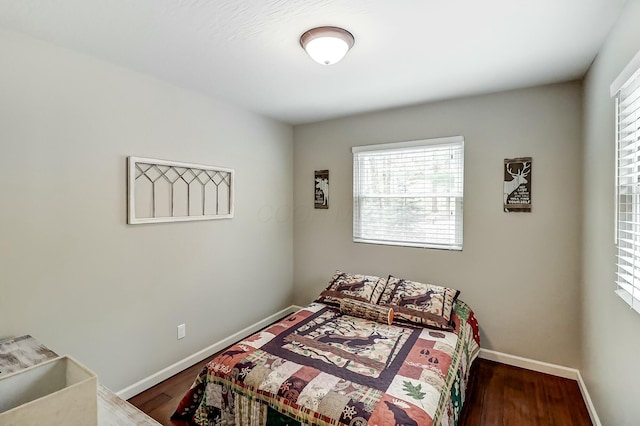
{"x":418,"y":303}
{"x":365,"y":288}
{"x":356,"y":308}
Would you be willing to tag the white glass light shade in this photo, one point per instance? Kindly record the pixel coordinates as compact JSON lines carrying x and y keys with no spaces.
{"x":327,"y":45}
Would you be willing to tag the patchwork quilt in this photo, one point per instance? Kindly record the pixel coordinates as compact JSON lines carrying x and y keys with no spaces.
{"x":320,"y":367}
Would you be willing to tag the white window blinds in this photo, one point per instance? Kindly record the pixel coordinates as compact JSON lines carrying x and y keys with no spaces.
{"x":626,"y":89}
{"x":409,"y":193}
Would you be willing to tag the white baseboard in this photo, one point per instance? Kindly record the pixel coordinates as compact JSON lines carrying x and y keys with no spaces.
{"x":547,"y":368}
{"x":530,"y":364}
{"x":589,"y":403}
{"x":182,"y":365}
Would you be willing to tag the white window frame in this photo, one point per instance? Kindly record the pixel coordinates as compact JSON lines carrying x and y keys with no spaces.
{"x":454,"y":243}
{"x":627,"y":183}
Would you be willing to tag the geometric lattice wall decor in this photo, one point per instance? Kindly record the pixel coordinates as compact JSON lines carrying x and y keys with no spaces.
{"x":168,"y":191}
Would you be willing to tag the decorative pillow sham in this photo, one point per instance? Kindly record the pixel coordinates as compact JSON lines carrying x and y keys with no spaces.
{"x":418,"y":303}
{"x":356,"y":308}
{"x":365,"y":288}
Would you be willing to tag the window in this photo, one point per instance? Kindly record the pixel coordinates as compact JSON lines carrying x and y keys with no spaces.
{"x":409,"y":193}
{"x":626,"y":90}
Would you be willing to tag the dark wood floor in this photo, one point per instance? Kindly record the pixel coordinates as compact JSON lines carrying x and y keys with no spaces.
{"x":503,"y":395}
{"x":161,"y":400}
{"x":499,"y":395}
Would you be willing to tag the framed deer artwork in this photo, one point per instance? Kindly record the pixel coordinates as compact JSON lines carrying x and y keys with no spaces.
{"x":321,"y":189}
{"x":517,"y":184}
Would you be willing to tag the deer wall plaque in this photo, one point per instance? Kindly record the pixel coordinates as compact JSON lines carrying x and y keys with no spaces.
{"x":517,"y":184}
{"x":321,"y":188}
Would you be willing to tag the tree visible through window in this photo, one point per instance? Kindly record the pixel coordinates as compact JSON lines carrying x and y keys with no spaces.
{"x":409,"y":193}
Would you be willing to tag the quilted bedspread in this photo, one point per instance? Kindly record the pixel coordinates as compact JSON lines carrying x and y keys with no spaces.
{"x":320,"y":367}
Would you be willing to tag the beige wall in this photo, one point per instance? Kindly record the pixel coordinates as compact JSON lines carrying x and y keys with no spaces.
{"x":72,"y":273}
{"x":611,"y":342}
{"x":520,"y":272}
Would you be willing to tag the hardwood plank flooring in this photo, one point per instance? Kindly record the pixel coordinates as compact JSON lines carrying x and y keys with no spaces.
{"x":498,"y":395}
{"x":160,"y":401}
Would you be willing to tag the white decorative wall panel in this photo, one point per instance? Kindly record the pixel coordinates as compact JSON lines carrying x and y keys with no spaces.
{"x":169,"y":191}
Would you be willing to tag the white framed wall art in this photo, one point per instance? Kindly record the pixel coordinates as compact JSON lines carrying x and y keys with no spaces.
{"x":170,"y":191}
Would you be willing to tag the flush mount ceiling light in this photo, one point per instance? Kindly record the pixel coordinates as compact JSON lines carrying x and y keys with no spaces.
{"x":327,"y":45}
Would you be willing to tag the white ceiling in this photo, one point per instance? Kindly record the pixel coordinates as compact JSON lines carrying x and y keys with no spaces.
{"x":247,"y":52}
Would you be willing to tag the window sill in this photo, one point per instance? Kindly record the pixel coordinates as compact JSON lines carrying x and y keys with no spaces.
{"x":629,"y":300}
{"x":408,"y":244}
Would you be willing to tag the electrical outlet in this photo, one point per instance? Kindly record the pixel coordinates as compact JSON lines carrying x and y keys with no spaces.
{"x":182,"y":331}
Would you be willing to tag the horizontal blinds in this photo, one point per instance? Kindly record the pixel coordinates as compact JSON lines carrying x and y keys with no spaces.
{"x":409,"y":194}
{"x":628,"y":192}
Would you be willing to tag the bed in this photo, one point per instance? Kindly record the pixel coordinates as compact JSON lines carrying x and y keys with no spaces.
{"x":329,"y":365}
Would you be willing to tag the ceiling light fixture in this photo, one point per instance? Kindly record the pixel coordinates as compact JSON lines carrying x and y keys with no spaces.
{"x":327,"y":45}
